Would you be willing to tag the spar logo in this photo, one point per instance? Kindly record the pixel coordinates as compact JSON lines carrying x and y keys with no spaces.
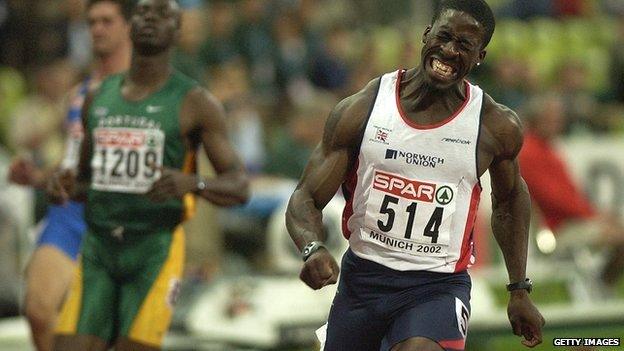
{"x":114,"y":138}
{"x":405,"y":188}
{"x":444,"y":195}
{"x":411,"y":189}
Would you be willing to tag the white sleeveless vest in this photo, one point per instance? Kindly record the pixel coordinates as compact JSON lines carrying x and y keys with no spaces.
{"x":413,"y":193}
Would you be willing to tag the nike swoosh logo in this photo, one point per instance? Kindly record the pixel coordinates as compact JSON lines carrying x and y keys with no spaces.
{"x":153,"y":109}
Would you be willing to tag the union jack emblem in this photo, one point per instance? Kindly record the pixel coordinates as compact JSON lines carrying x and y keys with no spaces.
{"x":381,"y":135}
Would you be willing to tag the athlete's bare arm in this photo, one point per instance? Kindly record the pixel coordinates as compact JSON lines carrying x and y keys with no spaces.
{"x":202,"y":120}
{"x":511,"y":207}
{"x":325,"y":171}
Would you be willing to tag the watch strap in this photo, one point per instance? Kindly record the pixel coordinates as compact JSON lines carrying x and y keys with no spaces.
{"x":526,"y":284}
{"x":311,"y":248}
{"x":200,"y":185}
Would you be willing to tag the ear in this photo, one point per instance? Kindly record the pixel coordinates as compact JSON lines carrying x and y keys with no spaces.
{"x":426,"y":34}
{"x":482,"y":56}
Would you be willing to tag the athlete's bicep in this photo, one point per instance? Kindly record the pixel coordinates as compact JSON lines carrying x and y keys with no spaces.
{"x":504,"y":170}
{"x":210,"y":117}
{"x":324,"y":173}
{"x":335,"y":155}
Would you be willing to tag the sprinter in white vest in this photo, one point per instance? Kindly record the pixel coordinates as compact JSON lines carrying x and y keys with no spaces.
{"x":408,"y":151}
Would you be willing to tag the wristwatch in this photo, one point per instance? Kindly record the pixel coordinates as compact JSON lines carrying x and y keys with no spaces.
{"x":526,"y":284}
{"x":201,"y":184}
{"x":311,"y":248}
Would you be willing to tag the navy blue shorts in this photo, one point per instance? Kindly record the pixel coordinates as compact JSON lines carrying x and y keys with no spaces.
{"x":376,"y":307}
{"x":64,"y":228}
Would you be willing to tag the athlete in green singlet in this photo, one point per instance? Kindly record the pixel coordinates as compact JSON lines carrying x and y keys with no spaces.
{"x":141,"y":131}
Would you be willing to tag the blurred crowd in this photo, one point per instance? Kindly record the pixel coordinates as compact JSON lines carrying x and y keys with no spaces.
{"x":279,"y":66}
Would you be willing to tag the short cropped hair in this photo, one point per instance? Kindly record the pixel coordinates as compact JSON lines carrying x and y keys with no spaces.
{"x":125,"y":6}
{"x":478,"y":9}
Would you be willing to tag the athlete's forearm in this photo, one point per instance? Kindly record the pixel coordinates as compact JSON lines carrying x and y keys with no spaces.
{"x":303,"y":220}
{"x":227,"y":189}
{"x":510,"y":225}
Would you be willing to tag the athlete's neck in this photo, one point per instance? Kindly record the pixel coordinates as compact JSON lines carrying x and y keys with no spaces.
{"x":150,"y":71}
{"x":418,"y":94}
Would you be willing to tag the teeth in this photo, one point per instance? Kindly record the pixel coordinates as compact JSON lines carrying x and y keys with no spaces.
{"x":442,"y":68}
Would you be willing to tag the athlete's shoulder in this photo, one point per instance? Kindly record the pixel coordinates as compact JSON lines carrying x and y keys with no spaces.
{"x":200,"y":98}
{"x":504,"y":125}
{"x":360,"y":103}
{"x":348,"y":118}
{"x":202,"y":109}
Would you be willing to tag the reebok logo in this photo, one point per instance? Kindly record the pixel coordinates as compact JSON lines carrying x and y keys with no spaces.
{"x":456,"y":141}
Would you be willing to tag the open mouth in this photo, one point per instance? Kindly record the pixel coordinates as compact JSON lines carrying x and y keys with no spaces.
{"x":442,"y":69}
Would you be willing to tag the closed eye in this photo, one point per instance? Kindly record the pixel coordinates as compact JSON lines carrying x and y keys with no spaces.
{"x":444,"y":36}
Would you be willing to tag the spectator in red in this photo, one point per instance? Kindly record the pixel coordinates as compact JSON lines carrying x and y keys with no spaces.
{"x":565,"y":209}
{"x":571,"y":7}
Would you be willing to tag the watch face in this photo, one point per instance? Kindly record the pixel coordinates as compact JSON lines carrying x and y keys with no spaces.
{"x":308,"y":249}
{"x":201,"y":185}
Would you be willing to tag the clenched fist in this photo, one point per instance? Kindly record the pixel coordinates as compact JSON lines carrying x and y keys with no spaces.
{"x":525,"y":319}
{"x":320,"y":269}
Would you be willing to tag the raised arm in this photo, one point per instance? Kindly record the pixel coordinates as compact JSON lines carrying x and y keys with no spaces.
{"x":325,"y":171}
{"x":511,"y":206}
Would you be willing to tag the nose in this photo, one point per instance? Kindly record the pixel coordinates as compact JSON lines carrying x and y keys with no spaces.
{"x":149,"y":14}
{"x":449,"y":49}
{"x":97,"y":28}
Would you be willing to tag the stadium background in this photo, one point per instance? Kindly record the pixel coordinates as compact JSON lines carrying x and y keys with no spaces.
{"x":279,"y":66}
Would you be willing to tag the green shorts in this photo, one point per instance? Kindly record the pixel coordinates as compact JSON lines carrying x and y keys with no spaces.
{"x":125,"y":288}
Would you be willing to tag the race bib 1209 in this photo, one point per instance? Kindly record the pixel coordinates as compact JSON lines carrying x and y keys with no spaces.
{"x":126,"y":160}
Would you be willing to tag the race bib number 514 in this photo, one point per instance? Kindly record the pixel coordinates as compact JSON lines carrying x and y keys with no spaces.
{"x":410,"y":215}
{"x":126,"y":160}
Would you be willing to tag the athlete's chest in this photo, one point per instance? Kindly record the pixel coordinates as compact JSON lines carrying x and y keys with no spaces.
{"x":131,"y":142}
{"x":444,"y":153}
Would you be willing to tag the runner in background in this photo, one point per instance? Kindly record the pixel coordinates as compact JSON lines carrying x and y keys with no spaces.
{"x":143,"y":129}
{"x":53,"y":262}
